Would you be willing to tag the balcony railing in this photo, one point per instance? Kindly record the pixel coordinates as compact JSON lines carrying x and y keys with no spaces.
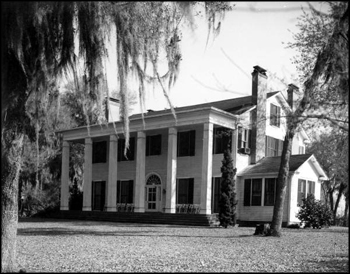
{"x":188,"y":208}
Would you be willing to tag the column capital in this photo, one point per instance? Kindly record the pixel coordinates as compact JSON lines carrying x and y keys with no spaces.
{"x":172,"y":131}
{"x":208,"y":126}
{"x":113,"y":138}
{"x":88,"y":141}
{"x":141,"y":134}
{"x":65,"y":144}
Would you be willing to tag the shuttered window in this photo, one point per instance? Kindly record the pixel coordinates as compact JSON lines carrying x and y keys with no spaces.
{"x":275,"y":114}
{"x":125,"y":192}
{"x":186,"y":142}
{"x":270,"y":191}
{"x":256,"y":192}
{"x":130,"y":154}
{"x":301,"y":191}
{"x":99,"y":152}
{"x":222,"y":137}
{"x":184,"y":191}
{"x":154,"y":145}
{"x":274,"y":146}
{"x":244,"y":138}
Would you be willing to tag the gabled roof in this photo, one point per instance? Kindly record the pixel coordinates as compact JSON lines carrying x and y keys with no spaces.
{"x":272,"y":165}
{"x":234,"y":106}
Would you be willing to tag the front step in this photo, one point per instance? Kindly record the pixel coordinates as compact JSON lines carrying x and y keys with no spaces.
{"x":147,"y":217}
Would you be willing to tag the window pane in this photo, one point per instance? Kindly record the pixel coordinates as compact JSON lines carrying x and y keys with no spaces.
{"x":185,"y":191}
{"x":130,"y":152}
{"x":256,"y":192}
{"x":153,"y":145}
{"x":186,"y":143}
{"x":301,"y":191}
{"x":99,"y":152}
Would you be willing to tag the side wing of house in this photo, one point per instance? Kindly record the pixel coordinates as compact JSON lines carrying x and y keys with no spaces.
{"x":307,"y":179}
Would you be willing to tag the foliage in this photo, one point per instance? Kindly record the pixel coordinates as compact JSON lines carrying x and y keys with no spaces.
{"x":313,"y":213}
{"x":227,"y":199}
{"x":328,"y":84}
{"x":332,"y":150}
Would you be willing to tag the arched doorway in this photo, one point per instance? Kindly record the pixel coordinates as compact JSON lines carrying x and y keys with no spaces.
{"x":153,"y":193}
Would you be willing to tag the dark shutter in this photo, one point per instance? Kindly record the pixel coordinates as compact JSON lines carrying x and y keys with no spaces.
{"x":192,"y":142}
{"x":190,"y":191}
{"x":278,"y":114}
{"x":148,"y":141}
{"x":118,"y":191}
{"x":249,"y":138}
{"x":247,"y":186}
{"x":131,"y":192}
{"x":239,"y":143}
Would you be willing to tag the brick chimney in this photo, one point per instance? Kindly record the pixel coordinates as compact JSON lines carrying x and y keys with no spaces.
{"x":259,"y":90}
{"x":291,"y":89}
{"x":114,"y":105}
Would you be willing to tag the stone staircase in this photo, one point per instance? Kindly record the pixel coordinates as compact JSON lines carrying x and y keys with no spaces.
{"x":146,"y":218}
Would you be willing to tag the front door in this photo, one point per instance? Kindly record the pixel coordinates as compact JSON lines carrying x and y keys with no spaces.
{"x":98,"y":194}
{"x":153,"y":193}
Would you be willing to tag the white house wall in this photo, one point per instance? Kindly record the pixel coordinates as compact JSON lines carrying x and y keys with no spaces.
{"x":305,"y":172}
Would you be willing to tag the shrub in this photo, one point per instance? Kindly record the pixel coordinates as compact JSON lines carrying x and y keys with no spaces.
{"x":314,"y":213}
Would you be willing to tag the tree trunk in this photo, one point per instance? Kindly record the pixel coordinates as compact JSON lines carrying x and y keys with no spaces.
{"x":13,"y":120}
{"x":282,"y":183}
{"x":340,"y":193}
{"x":10,"y":167}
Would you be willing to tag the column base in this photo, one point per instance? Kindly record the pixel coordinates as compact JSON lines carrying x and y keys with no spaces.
{"x":64,"y":208}
{"x":170,"y":210}
{"x":139,"y":210}
{"x":87,"y":208}
{"x":205,"y":211}
{"x":112,"y":209}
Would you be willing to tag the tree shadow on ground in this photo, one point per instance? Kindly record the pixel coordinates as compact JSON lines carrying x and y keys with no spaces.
{"x":59,"y":231}
{"x":337,"y":263}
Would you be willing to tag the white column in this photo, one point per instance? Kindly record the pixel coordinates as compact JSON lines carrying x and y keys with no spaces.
{"x":112,"y":174}
{"x":234,"y":145}
{"x":65,"y":177}
{"x":140,"y":172}
{"x":170,"y":206}
{"x":207,"y":166}
{"x":87,"y":175}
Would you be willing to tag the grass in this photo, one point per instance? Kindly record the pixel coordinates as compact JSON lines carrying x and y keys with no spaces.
{"x":48,"y":245}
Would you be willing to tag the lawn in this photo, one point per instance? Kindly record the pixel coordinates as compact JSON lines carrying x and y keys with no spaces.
{"x":48,"y":245}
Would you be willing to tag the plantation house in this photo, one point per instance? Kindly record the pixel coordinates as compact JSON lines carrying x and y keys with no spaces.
{"x":173,"y":165}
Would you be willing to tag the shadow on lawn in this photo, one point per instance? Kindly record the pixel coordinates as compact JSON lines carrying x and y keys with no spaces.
{"x":58,"y":231}
{"x":339,"y":263}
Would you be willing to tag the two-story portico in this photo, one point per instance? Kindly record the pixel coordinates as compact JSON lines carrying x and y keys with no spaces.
{"x":166,"y":156}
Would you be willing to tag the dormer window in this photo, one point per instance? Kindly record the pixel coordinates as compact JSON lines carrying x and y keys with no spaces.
{"x":275,"y":114}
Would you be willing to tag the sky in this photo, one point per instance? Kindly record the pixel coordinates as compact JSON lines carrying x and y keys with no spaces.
{"x":251,"y":34}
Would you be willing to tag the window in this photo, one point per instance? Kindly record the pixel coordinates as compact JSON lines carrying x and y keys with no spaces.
{"x":275,"y":114}
{"x":153,"y":145}
{"x":125,"y":192}
{"x":305,"y":188}
{"x":301,"y":191}
{"x":252,"y":192}
{"x":270,"y":191}
{"x":222,"y":137}
{"x":216,"y":185}
{"x":99,"y":152}
{"x":185,"y":191}
{"x":301,"y":150}
{"x":256,"y":192}
{"x":130,"y":152}
{"x":244,"y":138}
{"x":273,"y":146}
{"x":310,"y":188}
{"x":186,"y":143}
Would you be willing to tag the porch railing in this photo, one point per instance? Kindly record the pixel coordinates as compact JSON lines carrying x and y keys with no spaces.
{"x":188,"y":208}
{"x":125,"y":207}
